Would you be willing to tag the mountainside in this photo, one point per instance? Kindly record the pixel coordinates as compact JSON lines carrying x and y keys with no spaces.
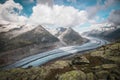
{"x":110,"y":35}
{"x":113,"y":35}
{"x":35,"y":36}
{"x":16,"y":44}
{"x":92,"y":33}
{"x":70,"y":37}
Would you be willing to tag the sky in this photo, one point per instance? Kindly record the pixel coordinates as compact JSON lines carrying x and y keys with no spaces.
{"x":79,"y":14}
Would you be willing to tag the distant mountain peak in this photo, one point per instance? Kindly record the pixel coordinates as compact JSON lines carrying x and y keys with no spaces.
{"x":71,"y":37}
{"x":39,"y":29}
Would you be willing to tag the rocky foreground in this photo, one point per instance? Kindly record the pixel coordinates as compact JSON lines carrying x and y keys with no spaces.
{"x":100,"y":64}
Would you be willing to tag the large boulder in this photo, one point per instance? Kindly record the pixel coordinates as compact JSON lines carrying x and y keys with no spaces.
{"x":73,"y":75}
{"x":102,"y":75}
{"x":109,"y":66}
{"x":90,"y":76}
{"x":80,"y":60}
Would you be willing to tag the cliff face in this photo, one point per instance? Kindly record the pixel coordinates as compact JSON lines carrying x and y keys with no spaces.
{"x":70,"y":37}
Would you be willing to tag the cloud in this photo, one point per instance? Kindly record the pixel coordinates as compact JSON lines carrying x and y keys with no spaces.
{"x":46,"y":2}
{"x":65,"y":16}
{"x":9,"y":11}
{"x":114,"y":17}
{"x":47,"y":13}
{"x":93,"y":10}
{"x":43,"y":14}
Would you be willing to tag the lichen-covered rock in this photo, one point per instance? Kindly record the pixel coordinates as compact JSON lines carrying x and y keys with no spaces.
{"x":90,"y":76}
{"x":97,"y":53}
{"x":73,"y":75}
{"x":109,"y":66}
{"x":60,"y":64}
{"x":102,"y":75}
{"x":80,"y":60}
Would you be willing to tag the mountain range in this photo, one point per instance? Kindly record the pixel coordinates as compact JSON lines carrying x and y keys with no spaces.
{"x":110,"y":35}
{"x":19,"y":41}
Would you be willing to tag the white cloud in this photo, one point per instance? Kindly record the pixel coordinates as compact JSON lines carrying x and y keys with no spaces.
{"x":93,"y":10}
{"x":97,"y":26}
{"x":9,"y":11}
{"x":46,"y":2}
{"x":43,"y":14}
{"x":94,"y":20}
{"x":66,"y":16}
{"x":58,"y":15}
{"x":114,"y":17}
